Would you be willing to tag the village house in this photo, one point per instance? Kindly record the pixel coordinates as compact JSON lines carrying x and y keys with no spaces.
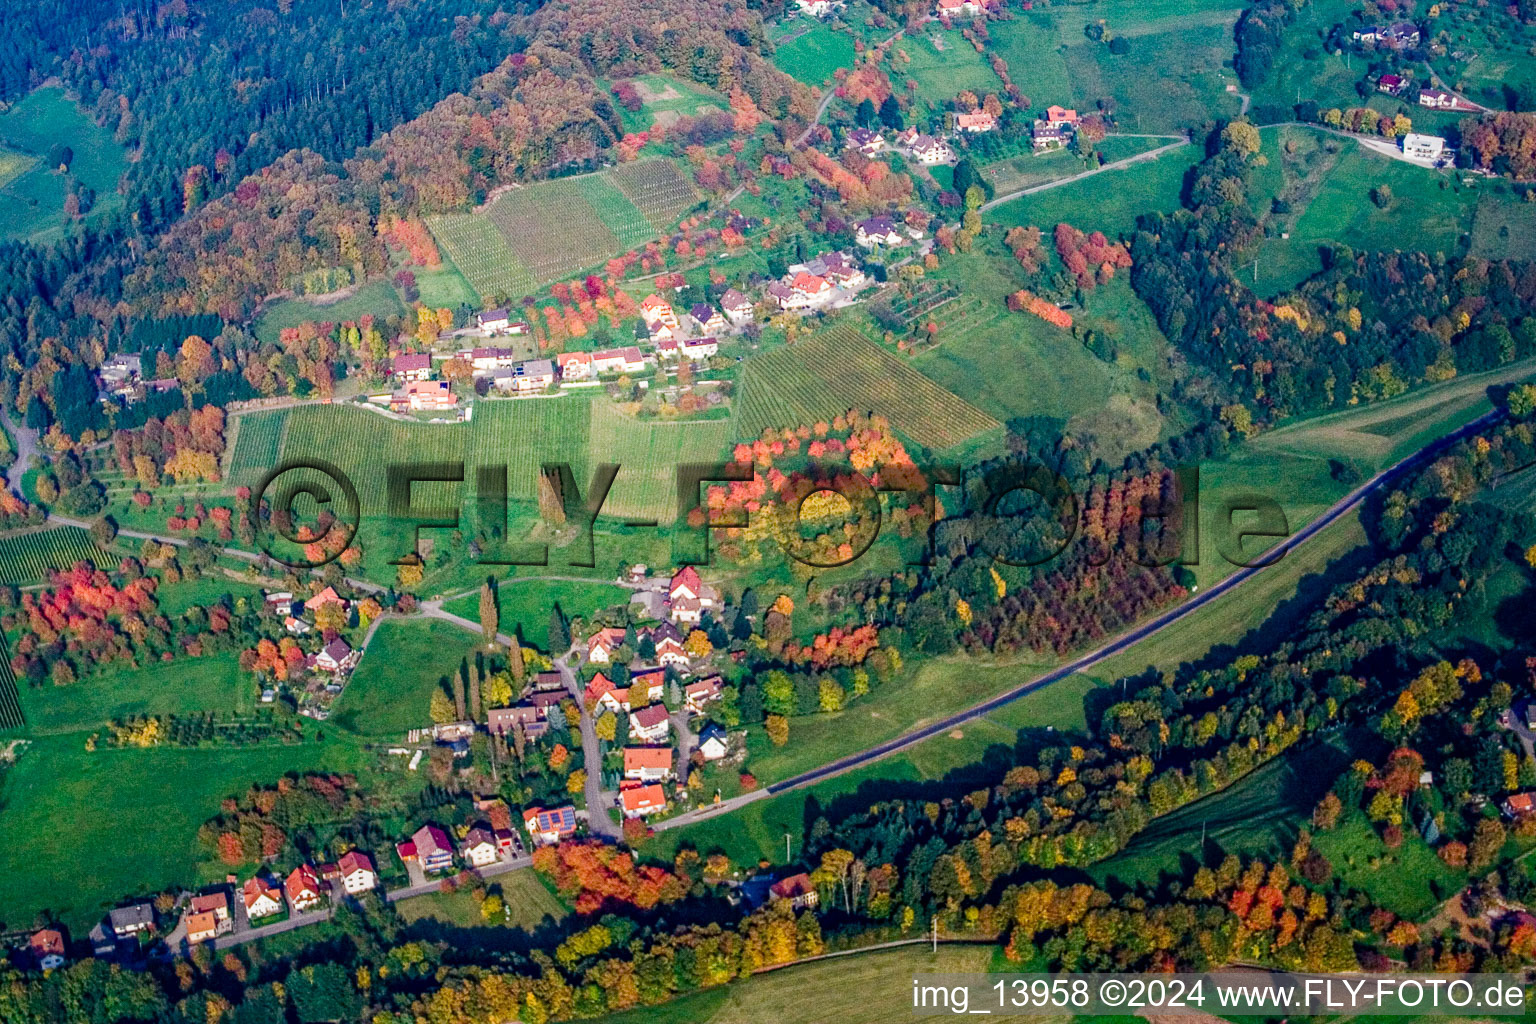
{"x":736,"y":306}
{"x":529,"y":375}
{"x":697,"y":696}
{"x":689,"y":597}
{"x":323,"y":598}
{"x":574,"y":365}
{"x":296,"y":626}
{"x":428,"y":847}
{"x":1518,"y":805}
{"x":699,"y":349}
{"x":655,"y":309}
{"x":47,"y":949}
{"x":929,"y":151}
{"x":618,"y":360}
{"x":650,"y":724}
{"x":132,"y":919}
{"x":479,"y":848}
{"x":1390,"y":84}
{"x":356,"y":873}
{"x":669,"y":646}
{"x":660,"y":333}
{"x":1423,"y":147}
{"x":543,"y":681}
{"x":1048,"y":136}
{"x":1438,"y":99}
{"x":713,"y":742}
{"x":707,"y":317}
{"x":643,"y":801}
{"x":504,"y":721}
{"x":201,"y":927}
{"x":336,"y":656}
{"x":602,"y":644}
{"x":797,"y":889}
{"x":817,"y":8}
{"x":217,"y":904}
{"x":494,"y":321}
{"x":648,"y":764}
{"x":647,"y":685}
{"x":838,"y":268}
{"x":1061,"y":116}
{"x":957,"y":8}
{"x":483,"y":360}
{"x":120,"y":375}
{"x":601,"y":692}
{"x":975,"y":123}
{"x":546,"y":827}
{"x":411,"y":366}
{"x":261,"y":898}
{"x":423,"y":396}
{"x":303,"y":888}
{"x":865,"y":141}
{"x":879,"y":230}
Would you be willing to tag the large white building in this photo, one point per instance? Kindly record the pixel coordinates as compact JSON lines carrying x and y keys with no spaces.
{"x":1423,"y":147}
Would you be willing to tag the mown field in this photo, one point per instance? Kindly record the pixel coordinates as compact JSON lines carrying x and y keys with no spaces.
{"x":30,"y":557}
{"x":942,"y":64}
{"x":33,"y":193}
{"x":665,"y":98}
{"x":524,"y":604}
{"x":1110,"y":201}
{"x":528,"y":905}
{"x":1030,"y":169}
{"x":405,"y":662}
{"x":376,"y":297}
{"x":840,"y":369}
{"x":811,"y":51}
{"x":532,"y":235}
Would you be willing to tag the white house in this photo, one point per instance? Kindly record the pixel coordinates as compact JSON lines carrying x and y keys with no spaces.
{"x":712,"y":742}
{"x":650,"y":724}
{"x":929,"y":151}
{"x":261,"y":899}
{"x":493,"y":320}
{"x":957,"y":8}
{"x":648,"y":764}
{"x":1423,"y":147}
{"x":737,"y":307}
{"x":975,"y":123}
{"x":479,"y":848}
{"x":699,"y":348}
{"x":357,"y":874}
{"x":574,"y":365}
{"x":643,"y":801}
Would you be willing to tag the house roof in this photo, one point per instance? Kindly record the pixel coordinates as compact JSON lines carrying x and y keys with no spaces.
{"x":47,"y":941}
{"x":556,"y":819}
{"x":412,"y":361}
{"x":639,"y":798}
{"x":477,"y":837}
{"x":733,"y":299}
{"x":134,"y":915}
{"x":704,"y":687}
{"x":655,"y":302}
{"x":210,"y":901}
{"x":794,"y":885}
{"x":881,"y":225}
{"x":1521,"y":803}
{"x":1055,"y":113}
{"x":535,"y":368}
{"x":353,"y":861}
{"x":713,"y":731}
{"x":202,"y":923}
{"x":338,"y":649}
{"x":493,"y":314}
{"x":430,"y":839}
{"x":653,"y":758}
{"x":301,"y":881}
{"x":1391,"y":80}
{"x":980,"y":119}
{"x":565,"y":358}
{"x":688,"y":577}
{"x":255,"y":888}
{"x":599,"y":685}
{"x":650,"y":716}
{"x":608,"y":637}
{"x":325,"y":597}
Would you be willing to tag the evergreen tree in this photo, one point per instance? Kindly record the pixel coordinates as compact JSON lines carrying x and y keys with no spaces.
{"x":490,"y":615}
{"x":559,"y":631}
{"x":890,"y":114}
{"x":865,"y":114}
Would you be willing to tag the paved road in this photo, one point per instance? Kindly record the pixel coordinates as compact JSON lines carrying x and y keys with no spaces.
{"x":598,"y":799}
{"x":1113,"y":165}
{"x":1157,"y":624}
{"x":26,"y":447}
{"x":831,"y":94}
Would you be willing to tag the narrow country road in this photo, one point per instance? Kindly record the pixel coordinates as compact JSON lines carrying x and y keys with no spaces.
{"x":25,"y":441}
{"x":1153,"y":626}
{"x":598,"y":800}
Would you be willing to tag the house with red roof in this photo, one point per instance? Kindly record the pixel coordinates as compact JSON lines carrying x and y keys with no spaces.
{"x":655,"y":309}
{"x":261,"y":898}
{"x":704,"y":692}
{"x":1059,"y":116}
{"x":643,"y":801}
{"x":574,"y":365}
{"x":303,"y":888}
{"x":976,"y":123}
{"x":423,"y":396}
{"x":430,"y":848}
{"x":618,"y":360}
{"x":411,"y":366}
{"x":648,"y":764}
{"x":551,"y":826}
{"x":325,"y":597}
{"x":356,"y":872}
{"x":601,"y":692}
{"x":201,"y":927}
{"x":650,"y":724}
{"x":689,"y":596}
{"x":647,"y":685}
{"x":958,"y":8}
{"x":47,"y":949}
{"x":602,"y":644}
{"x":797,"y":889}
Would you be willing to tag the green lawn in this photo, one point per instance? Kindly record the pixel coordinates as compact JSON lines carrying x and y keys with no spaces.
{"x":189,"y":685}
{"x":1504,"y":227}
{"x":376,"y":297}
{"x":811,"y":51}
{"x":943,"y":65}
{"x":444,"y":287}
{"x":405,"y":662}
{"x":665,"y":98}
{"x":525,"y":604}
{"x":33,"y":196}
{"x":528,"y":902}
{"x":1409,"y":881}
{"x":137,"y":811}
{"x":1110,"y":201}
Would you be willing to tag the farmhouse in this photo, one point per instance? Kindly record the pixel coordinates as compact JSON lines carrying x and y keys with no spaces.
{"x":737,"y":307}
{"x":303,"y":888}
{"x":494,"y":320}
{"x":881,"y":230}
{"x":574,"y":365}
{"x":707,"y":317}
{"x":504,"y":721}
{"x":650,"y":724}
{"x":602,"y":644}
{"x":1048,"y":136}
{"x":412,"y":366}
{"x":423,"y":396}
{"x":797,"y":889}
{"x":1423,"y":147}
{"x":669,"y":646}
{"x":1390,"y":84}
{"x":618,"y":360}
{"x":479,"y":847}
{"x":696,"y":696}
{"x":545,"y":827}
{"x":356,"y":872}
{"x":865,"y":141}
{"x":713,"y":743}
{"x":927,"y":150}
{"x":1518,"y":805}
{"x":975,"y":123}
{"x":47,"y":949}
{"x":648,"y":764}
{"x":260,"y":898}
{"x":643,"y":801}
{"x":601,"y":691}
{"x":688,"y":596}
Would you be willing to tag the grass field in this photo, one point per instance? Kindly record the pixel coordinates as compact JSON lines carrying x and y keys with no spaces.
{"x":376,"y":297}
{"x":863,"y":988}
{"x":529,"y":905}
{"x":144,"y":806}
{"x":525,"y":604}
{"x":1410,"y":881}
{"x":29,"y":557}
{"x":404,"y":663}
{"x":840,"y":369}
{"x":1504,"y":227}
{"x":33,"y":196}
{"x":1030,"y":169}
{"x":812,"y":51}
{"x":444,"y":287}
{"x":664,"y":99}
{"x":1327,"y":182}
{"x":942,"y":64}
{"x":214,"y":683}
{"x":1109,"y":202}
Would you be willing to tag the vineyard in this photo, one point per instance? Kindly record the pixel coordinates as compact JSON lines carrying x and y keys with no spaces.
{"x":29,"y":557}
{"x":363,"y":445}
{"x":648,"y":454}
{"x":841,"y":369}
{"x":481,"y":254}
{"x":10,"y":699}
{"x":258,"y":443}
{"x":540,"y":233}
{"x":523,"y":435}
{"x":657,"y":189}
